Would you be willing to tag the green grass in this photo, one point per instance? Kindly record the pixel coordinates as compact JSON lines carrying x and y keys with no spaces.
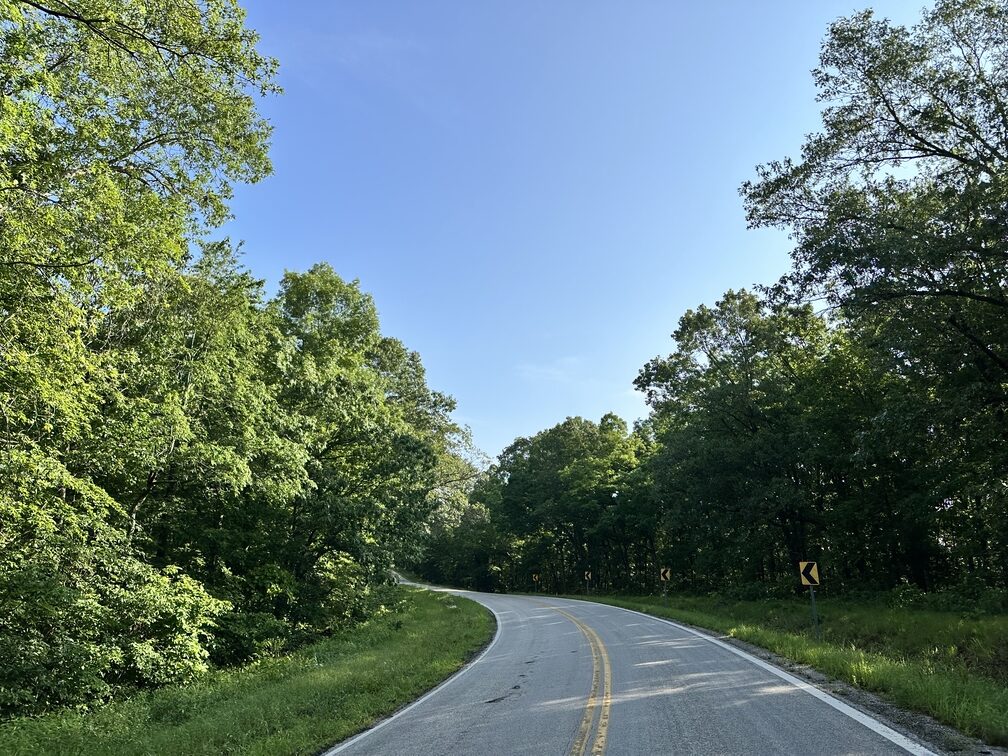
{"x":950,"y":666}
{"x":296,"y":704}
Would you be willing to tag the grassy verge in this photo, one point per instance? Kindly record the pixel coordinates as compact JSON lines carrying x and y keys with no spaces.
{"x":950,"y":666}
{"x":297,"y":704}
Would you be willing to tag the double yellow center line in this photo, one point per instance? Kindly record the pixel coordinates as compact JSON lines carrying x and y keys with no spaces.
{"x":601,"y":676}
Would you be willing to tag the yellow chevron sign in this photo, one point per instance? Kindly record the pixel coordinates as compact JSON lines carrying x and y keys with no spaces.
{"x":809,"y":573}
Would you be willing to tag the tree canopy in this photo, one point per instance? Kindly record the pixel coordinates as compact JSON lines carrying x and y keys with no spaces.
{"x":192,"y":472}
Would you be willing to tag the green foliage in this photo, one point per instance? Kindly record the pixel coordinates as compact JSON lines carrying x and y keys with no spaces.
{"x":297,"y":704}
{"x":122,"y":126}
{"x":83,"y":617}
{"x":552,"y":505}
{"x":281,"y":453}
{"x":186,"y":467}
{"x":466,"y":551}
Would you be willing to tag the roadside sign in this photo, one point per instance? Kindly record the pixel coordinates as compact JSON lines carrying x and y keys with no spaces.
{"x":665,"y":573}
{"x":535,"y":577}
{"x":587,"y":575}
{"x":810,"y":576}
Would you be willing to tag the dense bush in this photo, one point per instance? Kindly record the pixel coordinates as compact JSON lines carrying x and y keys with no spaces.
{"x":81,"y":617}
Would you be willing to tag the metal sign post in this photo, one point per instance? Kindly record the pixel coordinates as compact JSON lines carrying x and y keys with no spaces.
{"x":815,"y":614}
{"x":665,"y":574}
{"x":810,"y":576}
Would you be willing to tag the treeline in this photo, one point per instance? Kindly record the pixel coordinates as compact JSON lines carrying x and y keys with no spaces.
{"x":190,"y":472}
{"x":854,"y":413}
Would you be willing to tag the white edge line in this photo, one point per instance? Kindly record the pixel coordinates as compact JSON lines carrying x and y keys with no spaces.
{"x":871,"y":723}
{"x":433,"y":691}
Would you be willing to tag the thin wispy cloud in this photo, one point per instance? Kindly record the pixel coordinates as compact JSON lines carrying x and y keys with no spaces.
{"x":374,"y":52}
{"x":402,"y":66}
{"x":564,"y":370}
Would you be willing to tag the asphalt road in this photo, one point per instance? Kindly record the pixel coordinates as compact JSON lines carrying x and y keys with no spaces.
{"x":568,"y":677}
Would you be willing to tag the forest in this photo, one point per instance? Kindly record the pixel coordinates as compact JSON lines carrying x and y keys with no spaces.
{"x":193,"y":472}
{"x":197,"y":471}
{"x":852,"y":413}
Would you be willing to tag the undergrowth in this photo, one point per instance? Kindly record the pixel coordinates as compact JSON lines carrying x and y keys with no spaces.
{"x":295,"y":704}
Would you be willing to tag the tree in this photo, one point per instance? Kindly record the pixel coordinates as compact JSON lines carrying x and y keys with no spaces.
{"x":901,"y":198}
{"x":898,"y":208}
{"x":123,"y":125}
{"x":557,"y":498}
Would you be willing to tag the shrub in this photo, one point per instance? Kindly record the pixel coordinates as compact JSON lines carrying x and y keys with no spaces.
{"x":81,"y":615}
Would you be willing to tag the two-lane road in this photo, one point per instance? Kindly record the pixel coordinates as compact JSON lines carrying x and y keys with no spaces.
{"x":569,"y":677}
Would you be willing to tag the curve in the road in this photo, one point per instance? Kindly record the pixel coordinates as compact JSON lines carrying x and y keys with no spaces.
{"x":563,"y":676}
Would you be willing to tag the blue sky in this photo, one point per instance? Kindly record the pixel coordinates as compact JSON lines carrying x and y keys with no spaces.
{"x":533,"y":192}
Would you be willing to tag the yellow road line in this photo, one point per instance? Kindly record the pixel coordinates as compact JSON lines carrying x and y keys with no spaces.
{"x":599,"y":653}
{"x":603,"y":726}
{"x":584,"y":731}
